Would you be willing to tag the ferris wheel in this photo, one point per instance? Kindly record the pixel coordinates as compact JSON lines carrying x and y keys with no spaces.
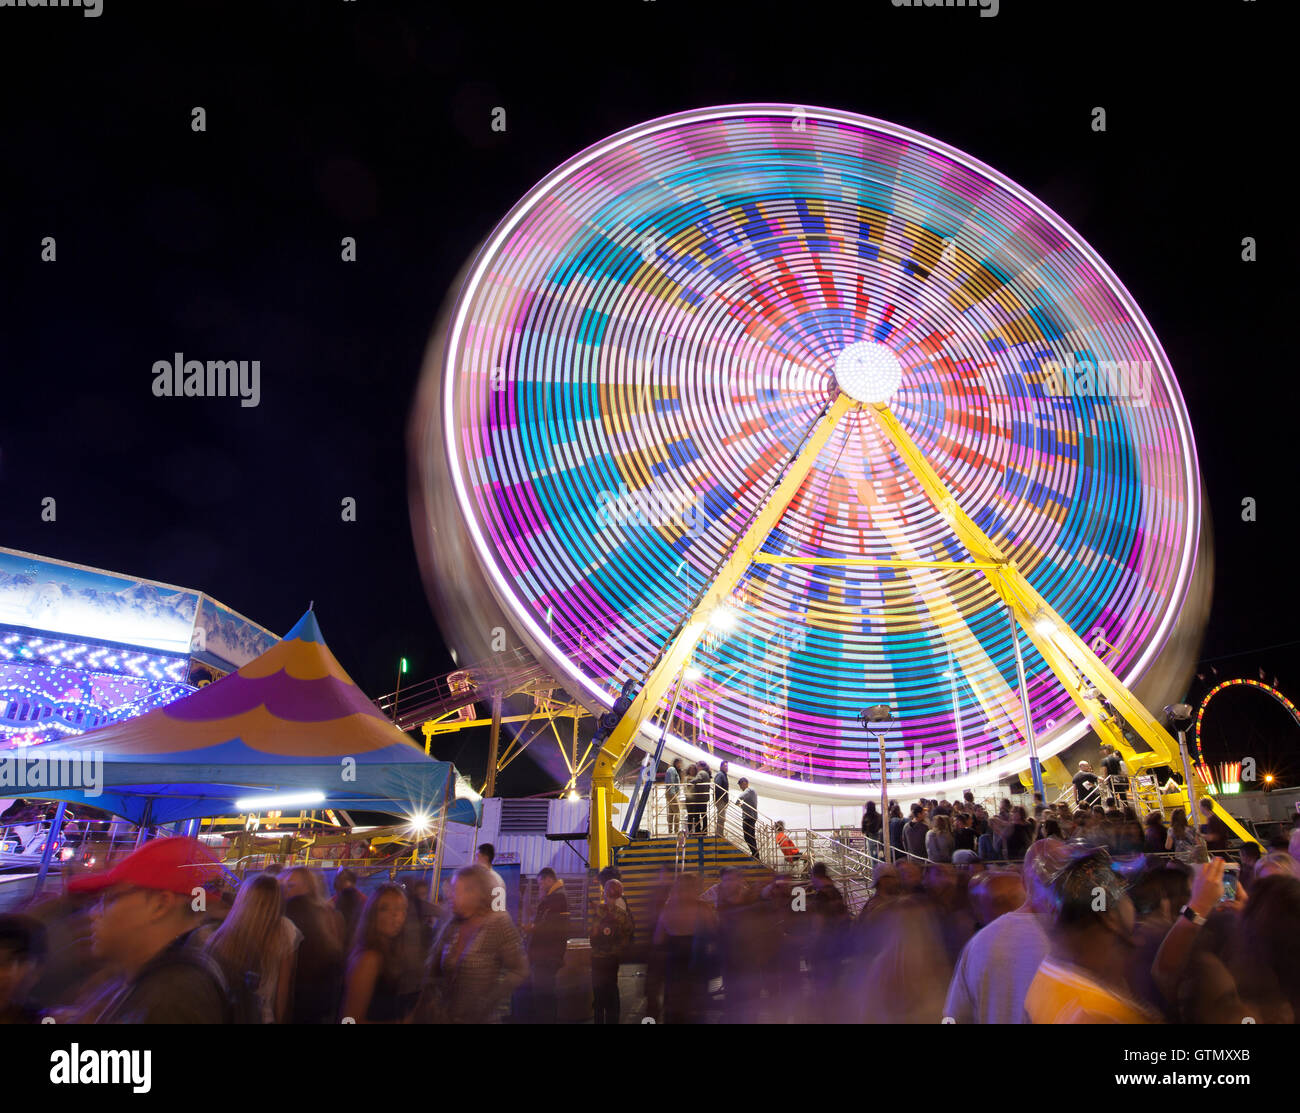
{"x":786,"y":411}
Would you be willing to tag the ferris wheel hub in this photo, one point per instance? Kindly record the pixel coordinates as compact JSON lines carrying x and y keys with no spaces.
{"x":868,"y":371}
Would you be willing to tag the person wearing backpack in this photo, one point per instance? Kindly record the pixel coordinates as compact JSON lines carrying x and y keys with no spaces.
{"x":257,"y":948}
{"x":610,"y":940}
{"x":143,"y":924}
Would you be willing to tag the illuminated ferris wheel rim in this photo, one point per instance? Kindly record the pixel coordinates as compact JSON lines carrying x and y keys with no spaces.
{"x":538,"y":638}
{"x":1239,"y":681}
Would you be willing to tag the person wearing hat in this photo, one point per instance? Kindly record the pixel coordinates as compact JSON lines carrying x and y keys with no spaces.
{"x":1082,"y":979}
{"x":143,"y":923}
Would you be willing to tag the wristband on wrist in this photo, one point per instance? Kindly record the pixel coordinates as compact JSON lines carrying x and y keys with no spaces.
{"x":1190,"y":914}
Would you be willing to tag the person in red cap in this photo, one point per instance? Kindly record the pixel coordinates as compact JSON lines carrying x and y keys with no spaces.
{"x":148,"y":907}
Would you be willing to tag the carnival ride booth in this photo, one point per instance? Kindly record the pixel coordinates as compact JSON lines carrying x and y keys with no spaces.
{"x":83,"y":648}
{"x":289,"y":731}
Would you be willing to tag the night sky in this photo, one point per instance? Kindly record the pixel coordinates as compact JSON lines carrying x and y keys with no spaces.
{"x":329,"y":118}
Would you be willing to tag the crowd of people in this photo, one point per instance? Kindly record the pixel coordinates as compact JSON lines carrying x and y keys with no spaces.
{"x":1069,"y":917}
{"x":964,"y":832}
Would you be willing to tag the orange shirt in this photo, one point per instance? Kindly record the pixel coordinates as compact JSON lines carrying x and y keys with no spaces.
{"x":1061,"y":994}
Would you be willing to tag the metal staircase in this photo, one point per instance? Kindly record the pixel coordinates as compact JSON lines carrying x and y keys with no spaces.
{"x":850,"y":867}
{"x":1142,"y":790}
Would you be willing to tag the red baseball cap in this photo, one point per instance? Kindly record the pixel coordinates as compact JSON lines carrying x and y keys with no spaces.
{"x":175,"y":865}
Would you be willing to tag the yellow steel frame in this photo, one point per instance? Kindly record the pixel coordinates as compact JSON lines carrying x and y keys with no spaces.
{"x":1082,"y":673}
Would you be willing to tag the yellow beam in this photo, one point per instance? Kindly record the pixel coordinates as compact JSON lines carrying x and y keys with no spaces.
{"x":494,"y":740}
{"x":964,"y":565}
{"x":602,"y":834}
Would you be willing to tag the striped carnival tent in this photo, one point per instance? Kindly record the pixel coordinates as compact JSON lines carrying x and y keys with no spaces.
{"x":291,"y":721}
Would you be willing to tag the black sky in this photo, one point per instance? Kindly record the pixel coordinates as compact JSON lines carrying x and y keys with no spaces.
{"x":332,"y":118}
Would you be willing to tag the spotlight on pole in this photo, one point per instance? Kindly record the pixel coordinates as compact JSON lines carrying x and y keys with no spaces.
{"x":1179,"y":716}
{"x":723,"y":619}
{"x":876,"y":713}
{"x":873,"y":719}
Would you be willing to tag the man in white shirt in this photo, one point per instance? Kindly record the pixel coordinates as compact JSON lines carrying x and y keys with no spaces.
{"x":998,"y":964}
{"x":486,"y":853}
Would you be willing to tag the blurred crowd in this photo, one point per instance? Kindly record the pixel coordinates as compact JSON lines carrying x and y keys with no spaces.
{"x":1090,"y":916}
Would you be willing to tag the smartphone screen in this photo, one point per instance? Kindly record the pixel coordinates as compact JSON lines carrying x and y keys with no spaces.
{"x":1230,"y":879}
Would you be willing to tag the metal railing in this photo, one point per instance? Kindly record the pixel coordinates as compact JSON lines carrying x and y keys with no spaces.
{"x":508,"y":672}
{"x":1141,"y":790}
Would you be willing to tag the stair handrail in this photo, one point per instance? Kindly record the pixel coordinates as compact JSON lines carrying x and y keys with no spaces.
{"x":657,"y":819}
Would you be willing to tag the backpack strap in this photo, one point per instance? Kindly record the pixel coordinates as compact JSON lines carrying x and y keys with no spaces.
{"x":198,"y":958}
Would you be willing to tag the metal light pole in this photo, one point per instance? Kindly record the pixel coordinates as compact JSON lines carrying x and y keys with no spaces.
{"x":956,"y":714}
{"x":401,"y":668}
{"x":880,"y":713}
{"x":1180,"y":716}
{"x":1034,"y":767}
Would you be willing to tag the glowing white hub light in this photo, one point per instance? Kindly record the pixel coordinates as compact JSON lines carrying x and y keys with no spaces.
{"x":1045,"y":626}
{"x":267,"y":803}
{"x":868,"y":372}
{"x":692,"y":674}
{"x":722,"y":620}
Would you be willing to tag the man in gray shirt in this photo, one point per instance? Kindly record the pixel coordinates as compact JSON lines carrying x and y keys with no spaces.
{"x":997,"y":966}
{"x":673,"y":785}
{"x":721,"y":798}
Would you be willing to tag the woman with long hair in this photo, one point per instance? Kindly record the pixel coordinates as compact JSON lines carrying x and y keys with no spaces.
{"x":1017,"y":835}
{"x":372,"y":991}
{"x":939,"y":843}
{"x":1156,"y":834}
{"x":257,"y":944}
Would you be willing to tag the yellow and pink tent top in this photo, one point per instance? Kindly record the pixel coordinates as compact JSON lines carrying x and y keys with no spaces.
{"x":290,"y":721}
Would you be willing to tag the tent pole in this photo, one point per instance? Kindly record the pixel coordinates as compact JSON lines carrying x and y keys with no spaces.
{"x":435,"y":894}
{"x":142,"y":835}
{"x":56,"y":827}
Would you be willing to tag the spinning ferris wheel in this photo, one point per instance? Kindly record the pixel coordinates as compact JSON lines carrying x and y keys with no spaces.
{"x":778,"y":412}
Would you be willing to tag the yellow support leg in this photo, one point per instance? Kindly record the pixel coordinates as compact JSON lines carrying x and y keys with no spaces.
{"x":1082,"y":673}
